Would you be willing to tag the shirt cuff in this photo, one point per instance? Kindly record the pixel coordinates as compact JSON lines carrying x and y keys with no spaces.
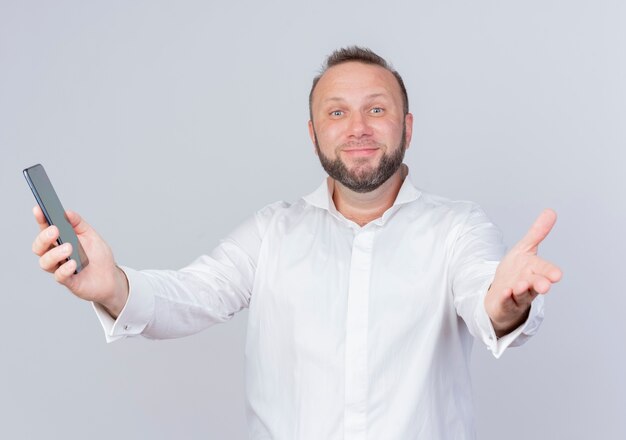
{"x":137,"y":311}
{"x":514,"y":338}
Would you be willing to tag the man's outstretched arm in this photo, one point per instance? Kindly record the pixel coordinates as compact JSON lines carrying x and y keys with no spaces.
{"x":157,"y":303}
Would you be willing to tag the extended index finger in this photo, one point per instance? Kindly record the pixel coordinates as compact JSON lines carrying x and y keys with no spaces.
{"x":538,"y":231}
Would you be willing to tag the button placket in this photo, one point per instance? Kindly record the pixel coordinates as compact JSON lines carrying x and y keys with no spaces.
{"x":356,"y":378}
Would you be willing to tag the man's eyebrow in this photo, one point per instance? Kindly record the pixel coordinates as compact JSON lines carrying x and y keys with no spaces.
{"x":340,"y":99}
{"x":376,"y":95}
{"x":334,"y":98}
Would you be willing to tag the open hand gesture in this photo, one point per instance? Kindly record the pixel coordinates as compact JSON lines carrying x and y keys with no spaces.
{"x":520,"y":277}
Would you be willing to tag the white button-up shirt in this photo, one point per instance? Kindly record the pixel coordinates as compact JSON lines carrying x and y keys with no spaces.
{"x":353,"y":332}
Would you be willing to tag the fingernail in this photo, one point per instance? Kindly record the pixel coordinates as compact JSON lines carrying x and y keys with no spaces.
{"x":50,"y":232}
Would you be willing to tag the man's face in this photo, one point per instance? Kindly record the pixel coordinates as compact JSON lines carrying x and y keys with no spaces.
{"x":358,"y":125}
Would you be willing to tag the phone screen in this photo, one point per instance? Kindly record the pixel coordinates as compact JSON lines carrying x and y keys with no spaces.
{"x":55,"y":214}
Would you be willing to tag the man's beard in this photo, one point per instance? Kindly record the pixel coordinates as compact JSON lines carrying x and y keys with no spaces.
{"x":365,"y":179}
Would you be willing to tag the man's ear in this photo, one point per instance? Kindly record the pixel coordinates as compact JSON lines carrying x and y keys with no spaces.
{"x":408,"y":132}
{"x":312,"y":136}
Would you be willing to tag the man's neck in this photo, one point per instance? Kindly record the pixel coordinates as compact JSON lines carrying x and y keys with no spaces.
{"x":362,"y":208}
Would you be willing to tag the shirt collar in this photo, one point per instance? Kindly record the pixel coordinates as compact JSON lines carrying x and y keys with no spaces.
{"x":322,"y":197}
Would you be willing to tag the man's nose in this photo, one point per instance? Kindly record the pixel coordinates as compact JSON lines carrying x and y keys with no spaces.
{"x":359,"y":125}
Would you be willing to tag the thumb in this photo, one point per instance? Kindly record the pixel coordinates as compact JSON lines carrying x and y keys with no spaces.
{"x":77,"y":222}
{"x":538,"y":231}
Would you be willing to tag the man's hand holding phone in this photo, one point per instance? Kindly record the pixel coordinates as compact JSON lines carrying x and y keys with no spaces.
{"x":101,"y":281}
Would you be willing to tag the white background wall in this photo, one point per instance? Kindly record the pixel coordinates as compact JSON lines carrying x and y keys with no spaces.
{"x":165,"y":124}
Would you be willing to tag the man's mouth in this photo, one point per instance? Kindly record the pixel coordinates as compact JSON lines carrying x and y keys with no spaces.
{"x":360,"y":151}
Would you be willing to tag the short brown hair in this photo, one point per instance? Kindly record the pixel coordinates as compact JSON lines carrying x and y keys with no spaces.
{"x":360,"y":55}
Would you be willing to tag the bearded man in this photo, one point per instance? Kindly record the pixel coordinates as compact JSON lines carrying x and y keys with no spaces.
{"x":364,"y":296}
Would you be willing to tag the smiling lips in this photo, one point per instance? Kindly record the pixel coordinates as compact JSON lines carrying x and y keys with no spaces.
{"x":360,"y":151}
{"x":361,"y":148}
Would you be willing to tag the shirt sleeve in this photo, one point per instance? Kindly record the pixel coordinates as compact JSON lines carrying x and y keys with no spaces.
{"x":169,"y":304}
{"x":476,"y":254}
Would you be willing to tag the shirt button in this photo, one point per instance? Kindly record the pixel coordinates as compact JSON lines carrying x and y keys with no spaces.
{"x":126,"y":327}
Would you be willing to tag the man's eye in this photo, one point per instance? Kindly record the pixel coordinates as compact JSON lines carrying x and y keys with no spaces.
{"x":377,"y":110}
{"x":336,"y":113}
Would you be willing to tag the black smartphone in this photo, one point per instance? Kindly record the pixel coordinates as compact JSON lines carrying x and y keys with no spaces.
{"x":55,"y":214}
